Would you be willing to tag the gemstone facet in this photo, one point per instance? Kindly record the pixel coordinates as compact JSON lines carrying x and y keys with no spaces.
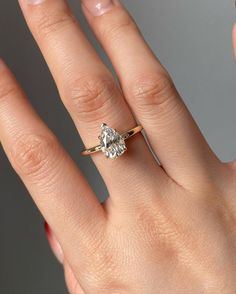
{"x":112,"y":143}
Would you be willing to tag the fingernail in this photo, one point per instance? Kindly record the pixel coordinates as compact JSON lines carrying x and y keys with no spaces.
{"x":234,"y":51}
{"x":2,"y":63}
{"x":54,"y":244}
{"x":33,"y":2}
{"x":98,"y":7}
{"x":234,"y":40}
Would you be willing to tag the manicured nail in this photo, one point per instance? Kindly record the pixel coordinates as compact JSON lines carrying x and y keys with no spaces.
{"x":234,"y":51}
{"x":2,"y":63}
{"x":98,"y":7}
{"x":234,"y":40}
{"x":34,"y":2}
{"x":54,"y":244}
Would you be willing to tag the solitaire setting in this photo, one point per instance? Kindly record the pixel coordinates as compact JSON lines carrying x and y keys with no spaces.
{"x":112,"y":143}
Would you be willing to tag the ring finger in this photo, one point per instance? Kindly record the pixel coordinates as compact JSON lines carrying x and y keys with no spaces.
{"x":171,"y":130}
{"x":87,"y":90}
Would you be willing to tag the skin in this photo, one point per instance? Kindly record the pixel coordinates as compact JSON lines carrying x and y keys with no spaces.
{"x":164,"y":229}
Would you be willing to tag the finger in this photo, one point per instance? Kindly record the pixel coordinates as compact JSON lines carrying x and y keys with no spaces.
{"x":171,"y":130}
{"x":71,"y":281}
{"x":54,"y":244}
{"x":89,"y":92}
{"x":53,"y":180}
{"x":234,"y":40}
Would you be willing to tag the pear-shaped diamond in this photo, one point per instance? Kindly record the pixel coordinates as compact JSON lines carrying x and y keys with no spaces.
{"x":112,"y":143}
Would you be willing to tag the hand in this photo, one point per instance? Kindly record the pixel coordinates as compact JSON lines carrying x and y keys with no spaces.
{"x":168,"y":229}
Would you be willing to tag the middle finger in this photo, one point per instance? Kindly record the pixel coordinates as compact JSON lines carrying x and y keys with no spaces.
{"x":88,"y":92}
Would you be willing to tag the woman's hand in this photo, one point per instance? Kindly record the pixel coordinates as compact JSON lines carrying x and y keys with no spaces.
{"x":169,"y":229}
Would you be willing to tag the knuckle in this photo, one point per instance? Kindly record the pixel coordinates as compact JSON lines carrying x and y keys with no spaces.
{"x":117,"y":27}
{"x":98,"y":247}
{"x":103,"y":263}
{"x":50,"y":23}
{"x":157,"y":227}
{"x":8,"y":89}
{"x":110,"y":284}
{"x":91,"y":97}
{"x":108,"y":276}
{"x":153,"y":91}
{"x":33,"y":154}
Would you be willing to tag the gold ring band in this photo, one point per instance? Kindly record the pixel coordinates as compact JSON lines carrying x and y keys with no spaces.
{"x":114,"y":142}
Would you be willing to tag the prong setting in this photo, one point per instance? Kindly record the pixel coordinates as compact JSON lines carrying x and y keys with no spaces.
{"x":112,"y":143}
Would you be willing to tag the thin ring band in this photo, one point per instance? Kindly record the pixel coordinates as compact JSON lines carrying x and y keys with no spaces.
{"x":125,"y":136}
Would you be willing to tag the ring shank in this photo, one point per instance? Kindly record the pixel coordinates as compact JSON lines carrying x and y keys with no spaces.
{"x":127,"y":135}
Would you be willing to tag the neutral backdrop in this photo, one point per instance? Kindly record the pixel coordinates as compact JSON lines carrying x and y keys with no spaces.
{"x":191,"y":38}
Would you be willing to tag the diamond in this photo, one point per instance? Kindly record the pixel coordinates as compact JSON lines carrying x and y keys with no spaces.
{"x":112,"y":143}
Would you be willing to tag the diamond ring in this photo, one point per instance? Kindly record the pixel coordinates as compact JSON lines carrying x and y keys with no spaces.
{"x":112,"y":144}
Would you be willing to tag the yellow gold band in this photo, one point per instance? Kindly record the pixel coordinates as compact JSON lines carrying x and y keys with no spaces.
{"x":125,"y":136}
